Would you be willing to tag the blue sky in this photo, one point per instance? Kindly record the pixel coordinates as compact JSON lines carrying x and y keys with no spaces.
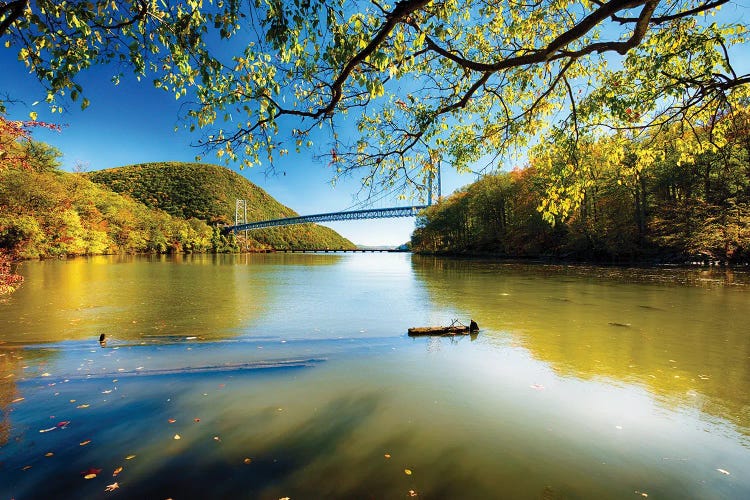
{"x":134,"y":123}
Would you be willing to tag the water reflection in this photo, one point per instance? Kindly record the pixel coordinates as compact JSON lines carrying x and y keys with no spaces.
{"x":679,"y":332}
{"x":129,"y":297}
{"x":583,"y":383}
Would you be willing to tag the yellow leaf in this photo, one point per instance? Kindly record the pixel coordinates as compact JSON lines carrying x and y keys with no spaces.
{"x":177,"y":436}
{"x":130,"y":457}
{"x":407,"y":472}
{"x":84,"y":443}
{"x":89,"y":476}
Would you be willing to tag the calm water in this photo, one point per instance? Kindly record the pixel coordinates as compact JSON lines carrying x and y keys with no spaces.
{"x":292,"y":376}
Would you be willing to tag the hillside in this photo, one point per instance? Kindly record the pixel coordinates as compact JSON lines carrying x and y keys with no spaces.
{"x":208,"y":193}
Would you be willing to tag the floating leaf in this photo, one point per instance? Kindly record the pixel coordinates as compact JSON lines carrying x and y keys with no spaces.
{"x":537,"y":387}
{"x":725,"y":472}
{"x":26,"y":467}
{"x":116,"y":471}
{"x":407,"y":472}
{"x":17,"y":400}
{"x":82,"y":406}
{"x":49,"y":454}
{"x":247,"y":461}
{"x":108,"y":391}
{"x":63,"y":424}
{"x":177,"y":436}
{"x":84,"y":443}
{"x":91,"y":473}
{"x":112,"y":487}
{"x":130,"y":457}
{"x":171,"y":420}
{"x":387,"y":455}
{"x":47,"y":430}
{"x":412,"y":493}
{"x":196,"y":420}
{"x":217,"y":438}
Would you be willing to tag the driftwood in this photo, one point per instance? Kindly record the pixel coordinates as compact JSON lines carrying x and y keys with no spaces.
{"x":455,"y":328}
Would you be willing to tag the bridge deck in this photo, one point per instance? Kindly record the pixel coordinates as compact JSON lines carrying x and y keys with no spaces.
{"x":373,"y":213}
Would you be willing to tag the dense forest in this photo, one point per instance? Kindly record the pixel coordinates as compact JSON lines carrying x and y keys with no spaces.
{"x":208,"y":193}
{"x":680,"y":195}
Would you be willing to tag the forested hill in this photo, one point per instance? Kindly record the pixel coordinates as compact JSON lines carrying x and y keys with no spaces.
{"x":208,"y":192}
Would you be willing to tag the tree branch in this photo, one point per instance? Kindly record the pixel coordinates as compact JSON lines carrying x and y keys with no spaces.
{"x":579,"y":30}
{"x":664,"y":19}
{"x":12,"y":11}
{"x":140,"y":15}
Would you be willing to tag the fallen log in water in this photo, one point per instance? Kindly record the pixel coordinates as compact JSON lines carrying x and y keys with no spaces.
{"x":454,"y":328}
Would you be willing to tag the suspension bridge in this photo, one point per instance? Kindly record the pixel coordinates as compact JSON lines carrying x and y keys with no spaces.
{"x":354,"y":212}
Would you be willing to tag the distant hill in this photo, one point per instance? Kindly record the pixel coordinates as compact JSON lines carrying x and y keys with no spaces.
{"x":208,"y":192}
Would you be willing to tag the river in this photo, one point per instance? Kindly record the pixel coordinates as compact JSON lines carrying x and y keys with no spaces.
{"x":291,"y":375}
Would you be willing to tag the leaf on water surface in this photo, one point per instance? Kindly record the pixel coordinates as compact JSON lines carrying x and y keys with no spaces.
{"x":84,"y":443}
{"x":108,"y":391}
{"x":116,"y":471}
{"x":177,"y":436}
{"x":63,"y":424}
{"x":247,"y":461}
{"x":387,"y":455}
{"x":171,"y":420}
{"x":26,"y":467}
{"x":217,"y":438}
{"x":49,"y":454}
{"x":130,"y":457}
{"x":407,"y":472}
{"x":112,"y":487}
{"x":196,"y":420}
{"x":412,"y":493}
{"x":725,"y":472}
{"x":82,"y":406}
{"x":45,"y":374}
{"x":17,"y":400}
{"x":537,"y":387}
{"x":47,"y":430}
{"x":91,"y":473}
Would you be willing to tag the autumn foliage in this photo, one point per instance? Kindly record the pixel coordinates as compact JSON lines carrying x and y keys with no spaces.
{"x":663,"y":198}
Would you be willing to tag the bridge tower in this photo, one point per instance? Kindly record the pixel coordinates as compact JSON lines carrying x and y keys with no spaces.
{"x":240,"y":214}
{"x":430,"y":188}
